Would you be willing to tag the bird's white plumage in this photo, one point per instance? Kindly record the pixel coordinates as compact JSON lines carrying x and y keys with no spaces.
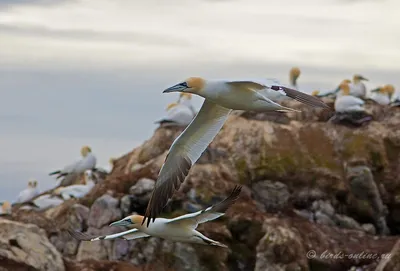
{"x":179,"y":114}
{"x":380,"y":98}
{"x":47,"y":201}
{"x":86,"y":163}
{"x":27,"y":194}
{"x":348,"y":103}
{"x":194,"y":219}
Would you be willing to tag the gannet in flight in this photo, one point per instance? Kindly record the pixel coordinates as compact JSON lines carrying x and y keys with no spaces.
{"x":221,"y":96}
{"x":76,"y":190}
{"x":179,"y":229}
{"x":87,"y":162}
{"x":5,"y":208}
{"x":382,"y":95}
{"x":177,"y":115}
{"x":29,"y":193}
{"x":348,"y":103}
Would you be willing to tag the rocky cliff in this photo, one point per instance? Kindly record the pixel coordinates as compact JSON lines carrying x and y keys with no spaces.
{"x":316,"y":196}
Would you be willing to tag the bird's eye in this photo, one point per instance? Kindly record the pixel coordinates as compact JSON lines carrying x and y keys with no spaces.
{"x":184,"y":84}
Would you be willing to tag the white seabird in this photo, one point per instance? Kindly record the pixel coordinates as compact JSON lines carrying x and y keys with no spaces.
{"x":88,"y":162}
{"x":357,"y":87}
{"x":5,"y":208}
{"x":29,"y":193}
{"x":382,"y":95}
{"x":76,"y":190}
{"x":348,"y":103}
{"x":179,"y":229}
{"x":177,"y":115}
{"x":221,"y":96}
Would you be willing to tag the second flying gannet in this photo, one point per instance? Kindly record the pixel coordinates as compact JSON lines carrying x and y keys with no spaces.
{"x":179,"y":229}
{"x":87,"y":162}
{"x":221,"y":96}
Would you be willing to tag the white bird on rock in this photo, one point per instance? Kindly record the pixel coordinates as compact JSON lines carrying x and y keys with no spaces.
{"x":29,"y":193}
{"x":179,"y":229}
{"x":382,"y":95}
{"x":357,"y":87}
{"x":88,"y":162}
{"x":46,"y":201}
{"x":186,"y":99}
{"x":348,"y":103}
{"x":177,"y":115}
{"x":221,"y":96}
{"x":76,"y":190}
{"x":5,"y":208}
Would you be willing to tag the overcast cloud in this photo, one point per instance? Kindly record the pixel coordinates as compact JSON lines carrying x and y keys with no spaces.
{"x":76,"y":72}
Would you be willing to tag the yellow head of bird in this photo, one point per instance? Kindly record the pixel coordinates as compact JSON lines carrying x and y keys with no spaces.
{"x":345,"y":88}
{"x":85,"y":150}
{"x":191,"y":85}
{"x":357,"y":78}
{"x":293,"y":75}
{"x":171,"y":105}
{"x":315,"y":93}
{"x":346,"y":81}
{"x":389,"y":89}
{"x":129,"y":220}
{"x":6,"y":207}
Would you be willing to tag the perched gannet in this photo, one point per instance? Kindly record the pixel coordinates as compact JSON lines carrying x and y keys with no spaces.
{"x":5,"y":208}
{"x":46,"y":201}
{"x":88,"y":161}
{"x":185,"y":99}
{"x":177,"y":115}
{"x":293,"y":76}
{"x":76,"y":190}
{"x":382,"y":95}
{"x":179,"y":229}
{"x":28,"y":193}
{"x":348,"y":103}
{"x":221,"y":96}
{"x":357,"y":88}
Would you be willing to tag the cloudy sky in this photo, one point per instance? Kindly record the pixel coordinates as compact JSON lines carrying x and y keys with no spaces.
{"x":76,"y":72}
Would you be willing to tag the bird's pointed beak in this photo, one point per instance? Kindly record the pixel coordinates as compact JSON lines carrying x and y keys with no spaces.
{"x":177,"y":88}
{"x":121,"y":222}
{"x":375,"y":90}
{"x":363,"y":78}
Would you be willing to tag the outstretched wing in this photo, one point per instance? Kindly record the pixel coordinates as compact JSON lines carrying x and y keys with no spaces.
{"x":127,"y":235}
{"x":184,"y":152}
{"x":211,"y":213}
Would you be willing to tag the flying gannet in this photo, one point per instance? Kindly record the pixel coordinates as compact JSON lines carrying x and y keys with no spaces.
{"x":87,"y":162}
{"x":179,"y":229}
{"x":76,"y":190}
{"x":382,"y":95}
{"x":29,"y":193}
{"x":221,"y":96}
{"x":348,"y":103}
{"x":5,"y":208}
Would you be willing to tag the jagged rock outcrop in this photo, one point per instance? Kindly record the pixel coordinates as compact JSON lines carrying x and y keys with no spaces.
{"x":308,"y":185}
{"x":26,"y":247}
